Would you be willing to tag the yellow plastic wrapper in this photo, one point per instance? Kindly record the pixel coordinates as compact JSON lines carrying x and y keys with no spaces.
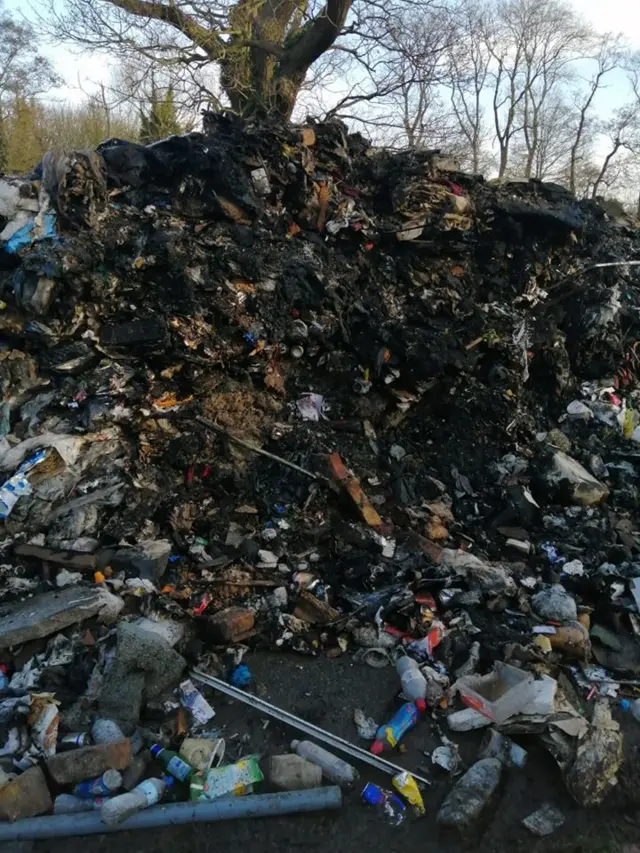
{"x":630,"y":422}
{"x":405,"y":784}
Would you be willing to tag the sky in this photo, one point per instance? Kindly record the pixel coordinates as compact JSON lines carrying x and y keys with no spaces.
{"x":81,"y":73}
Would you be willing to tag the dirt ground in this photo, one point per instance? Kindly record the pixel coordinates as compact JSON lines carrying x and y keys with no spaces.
{"x":326,"y":692}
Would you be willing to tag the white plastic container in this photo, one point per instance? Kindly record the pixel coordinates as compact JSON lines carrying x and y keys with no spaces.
{"x":499,"y":694}
{"x":334,"y":768}
{"x":147,"y":793}
{"x":414,"y":684}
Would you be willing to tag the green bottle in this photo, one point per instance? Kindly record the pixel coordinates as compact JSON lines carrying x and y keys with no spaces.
{"x":172,"y":763}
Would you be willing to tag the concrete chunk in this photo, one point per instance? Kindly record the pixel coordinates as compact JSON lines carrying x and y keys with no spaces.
{"x":25,"y":796}
{"x":47,"y":614}
{"x":145,"y":665}
{"x":74,"y":766}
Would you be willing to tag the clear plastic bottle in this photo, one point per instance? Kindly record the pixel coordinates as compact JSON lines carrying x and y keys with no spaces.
{"x":68,"y":804}
{"x":414,"y":684}
{"x":106,"y":731}
{"x":146,"y":794}
{"x":110,"y":781}
{"x":334,"y":768}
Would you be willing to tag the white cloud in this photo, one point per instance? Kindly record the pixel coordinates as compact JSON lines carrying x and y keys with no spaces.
{"x":613,"y":16}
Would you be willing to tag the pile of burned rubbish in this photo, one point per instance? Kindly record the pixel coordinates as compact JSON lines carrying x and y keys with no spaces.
{"x":270,"y":388}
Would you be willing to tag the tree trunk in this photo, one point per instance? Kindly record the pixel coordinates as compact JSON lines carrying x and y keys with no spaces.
{"x":3,"y":145}
{"x":605,"y":166}
{"x":265,"y":62}
{"x":504,"y":159}
{"x":265,"y":75}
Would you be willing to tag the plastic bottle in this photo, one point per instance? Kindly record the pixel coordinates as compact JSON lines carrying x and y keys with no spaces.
{"x":4,"y":678}
{"x":404,"y":719}
{"x":106,"y":731}
{"x":293,"y":773}
{"x":172,"y":763}
{"x":414,"y":684}
{"x":334,"y":768}
{"x":110,"y":781}
{"x":471,"y":794}
{"x":68,"y":804}
{"x":405,"y":784}
{"x":146,"y":794}
{"x":389,"y":803}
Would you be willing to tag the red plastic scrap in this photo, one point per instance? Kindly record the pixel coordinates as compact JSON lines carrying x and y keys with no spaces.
{"x":427,"y":599}
{"x":206,"y":601}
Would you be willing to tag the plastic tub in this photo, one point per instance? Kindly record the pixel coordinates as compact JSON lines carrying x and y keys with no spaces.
{"x":499,"y":694}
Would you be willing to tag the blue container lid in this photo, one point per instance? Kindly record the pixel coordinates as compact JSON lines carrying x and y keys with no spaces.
{"x":372,"y":794}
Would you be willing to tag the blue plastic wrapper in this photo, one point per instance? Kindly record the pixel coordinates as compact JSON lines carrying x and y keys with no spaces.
{"x":241,"y":676}
{"x":392,"y":806}
{"x":552,"y":554}
{"x":31,"y":233}
{"x":18,"y":485}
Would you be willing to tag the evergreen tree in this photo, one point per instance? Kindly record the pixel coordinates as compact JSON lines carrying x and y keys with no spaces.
{"x":25,"y":142}
{"x":161,"y":118}
{"x":3,"y":143}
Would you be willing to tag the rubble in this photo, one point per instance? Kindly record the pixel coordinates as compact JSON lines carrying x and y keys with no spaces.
{"x":51,"y":612}
{"x":145,"y":664}
{"x":269,"y":388}
{"x":25,"y":796}
{"x":78,"y":765}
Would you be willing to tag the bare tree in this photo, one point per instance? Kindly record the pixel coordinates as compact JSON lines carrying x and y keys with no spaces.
{"x":553,"y":141}
{"x":24,"y":72}
{"x":138,"y":82}
{"x":263,"y":50}
{"x":396,"y":93}
{"x":554,"y":37}
{"x":608,"y":57}
{"x":469,"y":64}
{"x":622,"y":132}
{"x":532,"y":45}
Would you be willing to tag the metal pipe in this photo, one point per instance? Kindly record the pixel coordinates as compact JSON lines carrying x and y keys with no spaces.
{"x":175,"y":814}
{"x":254,"y":448}
{"x":308,"y":728}
{"x":615,"y":264}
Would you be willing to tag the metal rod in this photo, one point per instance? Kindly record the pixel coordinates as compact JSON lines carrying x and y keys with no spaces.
{"x":615,"y":264}
{"x":308,"y":728}
{"x":254,"y":447}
